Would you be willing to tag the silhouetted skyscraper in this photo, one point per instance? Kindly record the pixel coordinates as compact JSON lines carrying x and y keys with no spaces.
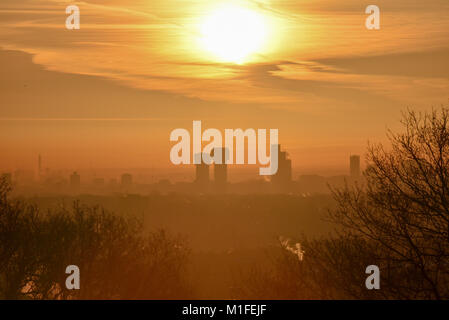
{"x":75,"y":180}
{"x":354,"y":166}
{"x":283,"y":177}
{"x":201,"y":173}
{"x":221,"y":170}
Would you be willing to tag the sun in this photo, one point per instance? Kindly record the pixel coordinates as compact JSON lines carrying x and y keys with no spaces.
{"x":232,"y":33}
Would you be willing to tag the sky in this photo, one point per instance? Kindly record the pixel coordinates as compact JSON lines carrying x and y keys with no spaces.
{"x":108,"y":95}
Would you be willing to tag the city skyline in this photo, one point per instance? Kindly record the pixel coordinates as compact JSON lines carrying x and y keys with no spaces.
{"x":239,"y":150}
{"x":203,"y":178}
{"x":325,"y":81}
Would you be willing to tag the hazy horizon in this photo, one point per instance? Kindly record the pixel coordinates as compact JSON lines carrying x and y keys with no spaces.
{"x":109,"y":94}
{"x":321,"y":126}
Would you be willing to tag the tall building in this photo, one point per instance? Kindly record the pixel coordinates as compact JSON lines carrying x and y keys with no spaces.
{"x":221,"y":170}
{"x":126,"y":180}
{"x":283,"y":177}
{"x":201,"y":173}
{"x":354,"y":166}
{"x":75,"y":180}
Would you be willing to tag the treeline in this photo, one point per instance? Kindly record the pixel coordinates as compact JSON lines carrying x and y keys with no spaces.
{"x":116,"y":258}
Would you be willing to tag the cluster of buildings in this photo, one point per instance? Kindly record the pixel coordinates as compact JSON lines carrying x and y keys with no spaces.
{"x":281,"y":181}
{"x":204,"y":181}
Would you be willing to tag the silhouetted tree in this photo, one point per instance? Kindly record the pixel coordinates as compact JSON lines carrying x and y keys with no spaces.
{"x":403,"y":208}
{"x":397,"y":218}
{"x":117,"y":260}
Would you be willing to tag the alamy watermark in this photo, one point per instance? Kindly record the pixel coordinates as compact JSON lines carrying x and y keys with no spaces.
{"x":373,"y":280}
{"x":213,"y":152}
{"x":372,"y":22}
{"x":73,"y":20}
{"x":73,"y":280}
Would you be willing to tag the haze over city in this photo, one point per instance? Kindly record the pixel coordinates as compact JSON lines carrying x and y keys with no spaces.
{"x":326,"y":124}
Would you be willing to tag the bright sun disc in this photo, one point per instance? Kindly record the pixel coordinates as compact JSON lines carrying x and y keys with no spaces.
{"x":233,"y":33}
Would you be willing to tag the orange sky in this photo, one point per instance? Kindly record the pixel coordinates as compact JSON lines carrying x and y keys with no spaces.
{"x":109,"y":94}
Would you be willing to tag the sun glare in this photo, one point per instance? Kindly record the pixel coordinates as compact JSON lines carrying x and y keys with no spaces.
{"x":232,"y":33}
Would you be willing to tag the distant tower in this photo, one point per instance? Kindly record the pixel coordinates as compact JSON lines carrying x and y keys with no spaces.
{"x":283,"y":177}
{"x":126,"y":180}
{"x":354,"y":166}
{"x":201,"y":173}
{"x":221,"y":170}
{"x":75,"y":180}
